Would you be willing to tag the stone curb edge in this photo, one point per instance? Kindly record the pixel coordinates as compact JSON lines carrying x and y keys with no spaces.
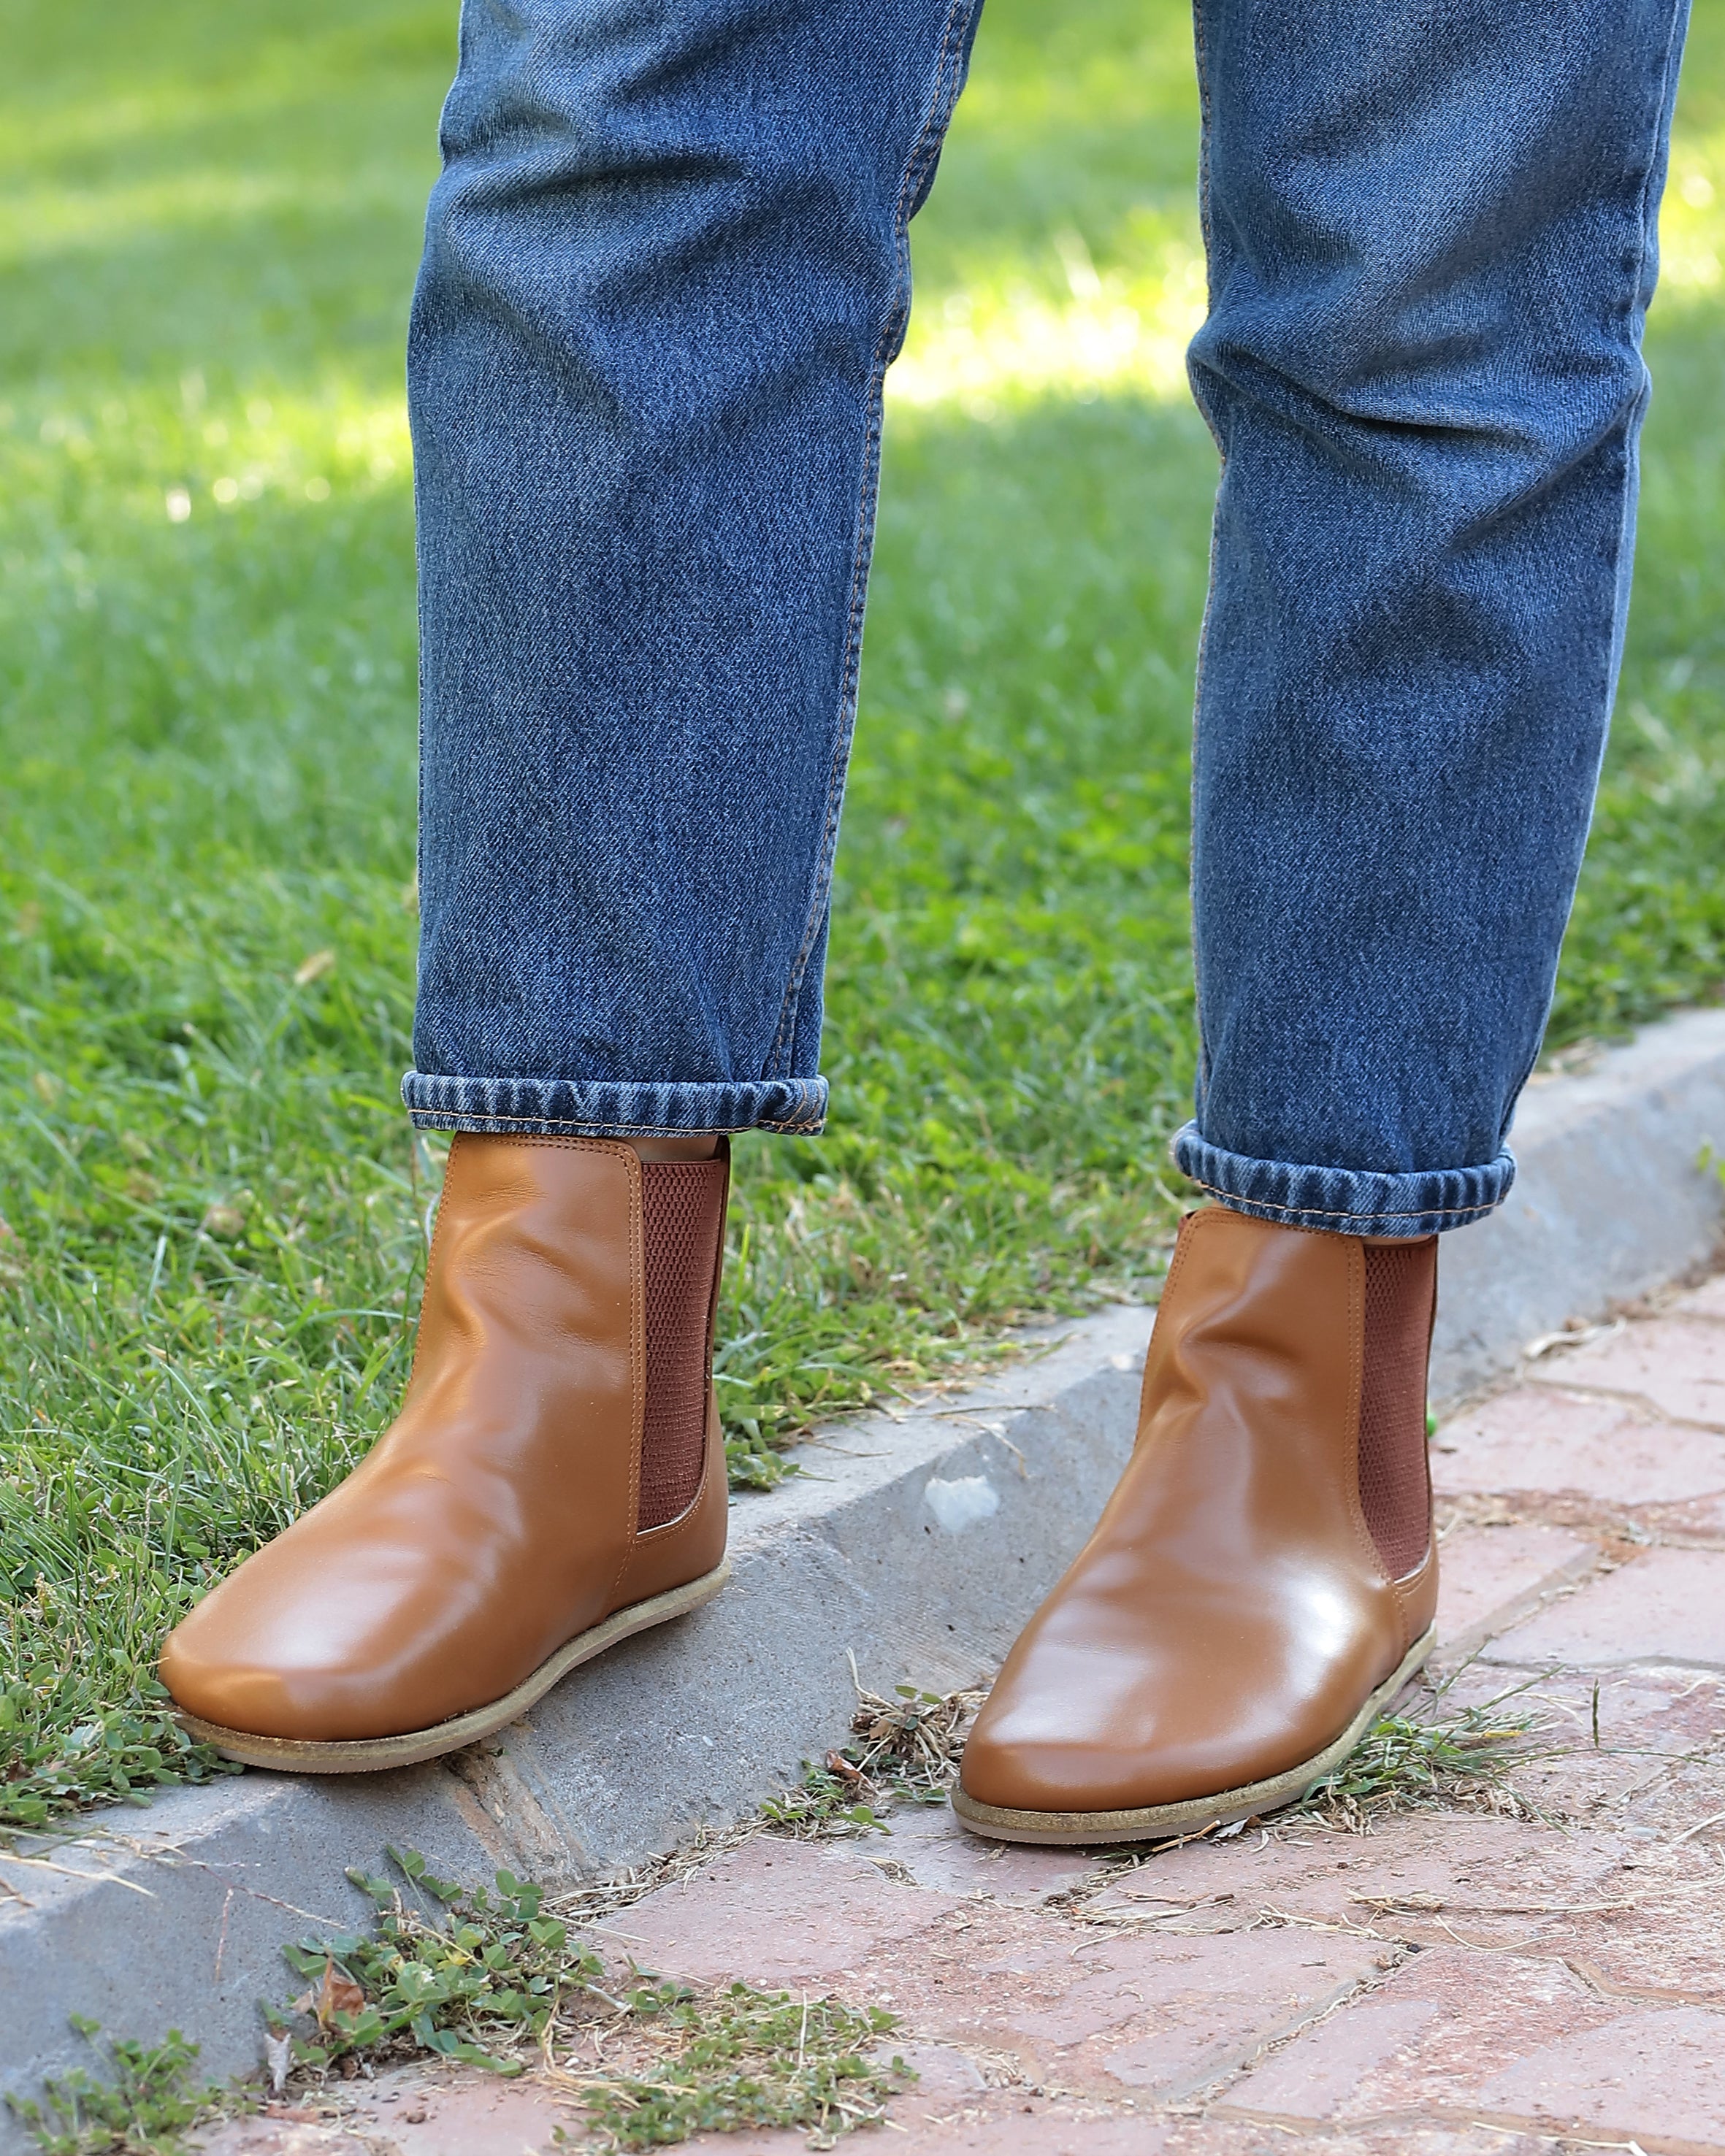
{"x":919,"y":1543}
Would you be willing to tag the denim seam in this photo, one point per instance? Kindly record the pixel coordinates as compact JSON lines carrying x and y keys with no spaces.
{"x":1206,"y":225}
{"x":898,"y":313}
{"x":1679,"y":18}
{"x":1234,"y":1199}
{"x":1647,"y":223}
{"x":809,"y":1126}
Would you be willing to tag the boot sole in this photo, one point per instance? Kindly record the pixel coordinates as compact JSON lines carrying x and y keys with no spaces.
{"x":372,"y":1755}
{"x":1155,"y":1822}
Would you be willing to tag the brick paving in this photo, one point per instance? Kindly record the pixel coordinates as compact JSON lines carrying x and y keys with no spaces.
{"x":1445,"y":1984}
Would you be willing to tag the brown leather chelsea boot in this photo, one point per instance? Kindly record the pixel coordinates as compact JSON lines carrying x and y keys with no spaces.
{"x":554,"y":1482}
{"x":1264,"y":1579}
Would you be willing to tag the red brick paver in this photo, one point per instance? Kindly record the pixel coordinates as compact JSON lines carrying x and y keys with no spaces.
{"x":1448,"y":1983}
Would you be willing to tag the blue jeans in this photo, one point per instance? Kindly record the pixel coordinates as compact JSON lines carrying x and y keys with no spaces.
{"x":666,"y":270}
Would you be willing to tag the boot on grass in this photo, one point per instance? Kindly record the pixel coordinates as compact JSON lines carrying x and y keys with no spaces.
{"x":555,"y":1480}
{"x":1264,"y":1580}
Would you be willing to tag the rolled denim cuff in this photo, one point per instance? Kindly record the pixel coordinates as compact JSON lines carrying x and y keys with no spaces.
{"x":548,"y":1106}
{"x":1347,"y":1201}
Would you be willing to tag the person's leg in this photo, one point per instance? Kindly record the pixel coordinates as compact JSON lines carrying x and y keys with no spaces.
{"x":665,"y":270}
{"x":1431,"y":239}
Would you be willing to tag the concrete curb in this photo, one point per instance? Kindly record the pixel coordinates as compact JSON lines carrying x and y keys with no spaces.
{"x":1610,"y":1200}
{"x":921,"y":1541}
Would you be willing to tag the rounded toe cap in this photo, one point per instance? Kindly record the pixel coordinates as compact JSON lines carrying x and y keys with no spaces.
{"x":1012,"y":1776}
{"x":211,"y":1677}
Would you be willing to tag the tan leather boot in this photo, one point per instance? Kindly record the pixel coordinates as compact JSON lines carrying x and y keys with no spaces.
{"x":554,"y":1482}
{"x":1264,"y":1579}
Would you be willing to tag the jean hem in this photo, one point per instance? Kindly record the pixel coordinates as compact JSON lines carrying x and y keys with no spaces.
{"x":548,"y":1107}
{"x":1345,"y":1201}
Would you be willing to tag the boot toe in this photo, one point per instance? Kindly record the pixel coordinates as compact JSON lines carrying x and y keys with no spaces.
{"x":230,"y":1693}
{"x":241,"y":1661}
{"x":1023,"y":1760}
{"x":323,"y":1645}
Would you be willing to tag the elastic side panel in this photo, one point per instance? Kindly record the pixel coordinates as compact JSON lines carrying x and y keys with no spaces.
{"x":681,"y":1206}
{"x":1395,"y":1489}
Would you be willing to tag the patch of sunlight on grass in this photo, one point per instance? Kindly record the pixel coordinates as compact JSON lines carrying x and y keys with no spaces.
{"x":190,"y":455}
{"x":1691,"y":224}
{"x":48,"y":220}
{"x":1048,"y":322}
{"x":1119,"y":329}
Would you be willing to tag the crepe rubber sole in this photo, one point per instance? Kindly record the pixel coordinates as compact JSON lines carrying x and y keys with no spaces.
{"x":371,"y":1755}
{"x":1156,"y":1822}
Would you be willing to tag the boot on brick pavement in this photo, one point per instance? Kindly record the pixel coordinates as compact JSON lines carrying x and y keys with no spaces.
{"x":1264,"y":1579}
{"x":554,"y":1482}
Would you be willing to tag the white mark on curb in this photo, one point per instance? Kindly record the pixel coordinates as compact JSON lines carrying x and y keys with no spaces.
{"x":959,"y":1504}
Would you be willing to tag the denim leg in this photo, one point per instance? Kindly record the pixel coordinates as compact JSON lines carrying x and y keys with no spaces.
{"x":1432,"y":246}
{"x":665,"y":269}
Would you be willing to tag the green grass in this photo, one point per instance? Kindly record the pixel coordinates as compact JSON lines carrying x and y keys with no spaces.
{"x":215,"y":1216}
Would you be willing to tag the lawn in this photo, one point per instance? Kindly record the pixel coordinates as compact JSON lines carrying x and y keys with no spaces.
{"x":215,"y":1216}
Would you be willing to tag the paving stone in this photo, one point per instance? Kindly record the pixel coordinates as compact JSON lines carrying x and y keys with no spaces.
{"x":1705,"y":1301}
{"x":1668,"y":1946}
{"x":1660,"y":1765}
{"x":1485,"y":1571}
{"x":1098,"y":2010}
{"x":1658,"y":2075}
{"x":420,"y":2111}
{"x":927,"y":1841}
{"x":1664,"y":1606}
{"x":775,"y":1912}
{"x":1419,"y":1877}
{"x":1514,"y":2038}
{"x":1009,"y":2123}
{"x":1504,"y":2037}
{"x":998,"y":2123}
{"x":1545,"y":1438}
{"x":1675,"y":1363}
{"x":1314,"y":2077}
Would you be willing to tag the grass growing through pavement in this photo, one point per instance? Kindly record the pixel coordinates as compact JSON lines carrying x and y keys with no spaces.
{"x":146,"y":2099}
{"x":903,"y":1750}
{"x":213,"y":1217}
{"x":484,"y":1977}
{"x":1461,"y":1761}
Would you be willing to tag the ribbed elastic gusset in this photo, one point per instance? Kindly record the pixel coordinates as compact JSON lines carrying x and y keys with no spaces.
{"x":547,"y":1107}
{"x":1344,"y":1200}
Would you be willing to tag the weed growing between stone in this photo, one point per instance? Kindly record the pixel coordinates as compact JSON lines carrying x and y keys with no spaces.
{"x":467,"y":1974}
{"x":1459,"y":1763}
{"x":737,"y":2059}
{"x":485,"y":1977}
{"x":905,"y":1749}
{"x":144,"y":2106}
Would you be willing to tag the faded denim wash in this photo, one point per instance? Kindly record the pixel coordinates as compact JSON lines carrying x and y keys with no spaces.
{"x":665,"y":270}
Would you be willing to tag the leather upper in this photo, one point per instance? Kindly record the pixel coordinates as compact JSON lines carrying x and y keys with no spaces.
{"x":495,"y":1519}
{"x":1231,"y":1612}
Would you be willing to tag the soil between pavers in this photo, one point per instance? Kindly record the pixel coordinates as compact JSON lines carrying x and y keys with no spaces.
{"x":1448,"y":1983}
